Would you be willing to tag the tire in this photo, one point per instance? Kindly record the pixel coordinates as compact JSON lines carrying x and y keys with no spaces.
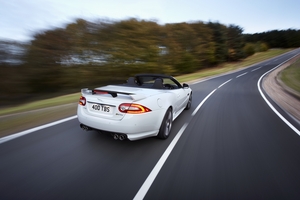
{"x":166,"y":125}
{"x":189,"y":103}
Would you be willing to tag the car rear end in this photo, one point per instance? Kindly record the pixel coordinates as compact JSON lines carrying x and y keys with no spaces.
{"x":128,"y":112}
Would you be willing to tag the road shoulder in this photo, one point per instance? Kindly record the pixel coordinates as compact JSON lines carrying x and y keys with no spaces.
{"x":283,"y":96}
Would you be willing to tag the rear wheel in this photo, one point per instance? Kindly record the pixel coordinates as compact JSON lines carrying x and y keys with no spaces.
{"x":166,"y":125}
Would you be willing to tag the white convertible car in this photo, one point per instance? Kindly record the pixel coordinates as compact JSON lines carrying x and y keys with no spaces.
{"x":145,"y":106}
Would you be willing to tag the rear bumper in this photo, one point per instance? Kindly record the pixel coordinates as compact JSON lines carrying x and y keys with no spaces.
{"x":135,"y":126}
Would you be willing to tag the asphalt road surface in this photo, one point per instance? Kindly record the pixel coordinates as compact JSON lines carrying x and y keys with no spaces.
{"x":229,"y":145}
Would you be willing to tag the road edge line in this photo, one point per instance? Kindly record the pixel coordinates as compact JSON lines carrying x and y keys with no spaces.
{"x":269,"y":104}
{"x":19,"y":134}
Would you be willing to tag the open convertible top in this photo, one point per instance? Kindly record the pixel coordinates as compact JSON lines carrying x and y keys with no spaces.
{"x":135,"y":86}
{"x":155,"y":81}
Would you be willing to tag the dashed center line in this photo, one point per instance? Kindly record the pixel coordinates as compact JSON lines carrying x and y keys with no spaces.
{"x":241,"y":74}
{"x":255,"y":69}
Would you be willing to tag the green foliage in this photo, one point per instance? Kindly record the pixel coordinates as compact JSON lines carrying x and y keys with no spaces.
{"x":44,"y":71}
{"x":235,"y":43}
{"x":220,"y":42}
{"x":261,"y":47}
{"x":249,"y":49}
{"x":90,"y":54}
{"x":277,"y":38}
{"x":187,"y":64}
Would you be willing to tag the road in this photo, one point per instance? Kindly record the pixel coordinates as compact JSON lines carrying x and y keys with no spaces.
{"x":229,"y":145}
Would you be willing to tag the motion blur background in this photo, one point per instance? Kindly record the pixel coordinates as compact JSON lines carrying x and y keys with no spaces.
{"x":50,"y":48}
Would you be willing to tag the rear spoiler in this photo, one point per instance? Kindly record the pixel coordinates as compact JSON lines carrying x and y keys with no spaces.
{"x":114,"y":94}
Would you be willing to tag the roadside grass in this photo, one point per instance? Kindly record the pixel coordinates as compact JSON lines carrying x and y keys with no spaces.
{"x":26,"y":120}
{"x":29,"y":115}
{"x":61,"y":100}
{"x":291,"y":76}
{"x":227,"y":67}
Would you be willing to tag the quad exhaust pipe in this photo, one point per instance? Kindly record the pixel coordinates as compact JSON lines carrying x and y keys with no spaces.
{"x":116,"y":136}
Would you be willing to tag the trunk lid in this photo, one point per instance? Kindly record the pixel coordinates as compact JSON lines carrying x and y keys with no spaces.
{"x":103,"y":102}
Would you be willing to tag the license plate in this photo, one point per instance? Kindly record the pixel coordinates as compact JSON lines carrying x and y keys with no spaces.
{"x":101,"y":108}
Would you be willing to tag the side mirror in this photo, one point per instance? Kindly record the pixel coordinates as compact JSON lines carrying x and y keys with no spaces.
{"x":185,"y":85}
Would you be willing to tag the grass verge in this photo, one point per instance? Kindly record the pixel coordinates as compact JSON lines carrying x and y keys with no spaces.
{"x":66,"y":99}
{"x":18,"y":118}
{"x":227,"y":67}
{"x":291,"y":76}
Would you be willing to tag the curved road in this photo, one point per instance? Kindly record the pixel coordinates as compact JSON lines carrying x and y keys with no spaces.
{"x":229,"y":145}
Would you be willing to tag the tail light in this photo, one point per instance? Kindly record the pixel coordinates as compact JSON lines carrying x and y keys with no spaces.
{"x":133,"y":108}
{"x":82,"y":101}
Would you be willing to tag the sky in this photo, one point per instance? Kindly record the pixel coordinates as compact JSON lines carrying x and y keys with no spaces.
{"x":21,"y":19}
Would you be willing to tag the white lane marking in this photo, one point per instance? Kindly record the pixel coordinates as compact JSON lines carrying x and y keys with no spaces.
{"x":200,"y":81}
{"x":224,"y":83}
{"x":270,"y":105}
{"x":255,"y":69}
{"x":16,"y":135}
{"x":206,"y":79}
{"x":241,"y":74}
{"x":151,"y":177}
{"x":202,"y":102}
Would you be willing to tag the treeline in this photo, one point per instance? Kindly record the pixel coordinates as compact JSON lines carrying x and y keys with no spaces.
{"x":277,"y":38}
{"x":89,"y":54}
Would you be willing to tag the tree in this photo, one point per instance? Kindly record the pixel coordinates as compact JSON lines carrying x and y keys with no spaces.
{"x":132,"y":46}
{"x":43,"y":59}
{"x":205,"y":47}
{"x":220,"y":42}
{"x":235,"y":42}
{"x":276,"y":38}
{"x":182,"y":43}
{"x":249,"y":49}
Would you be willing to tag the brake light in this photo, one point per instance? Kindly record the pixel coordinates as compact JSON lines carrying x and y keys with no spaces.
{"x":133,"y":108}
{"x":99,"y":92}
{"x":82,"y":101}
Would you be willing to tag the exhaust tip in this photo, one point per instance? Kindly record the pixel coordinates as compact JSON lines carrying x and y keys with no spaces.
{"x":116,"y":136}
{"x":122,"y":137}
{"x":84,"y":127}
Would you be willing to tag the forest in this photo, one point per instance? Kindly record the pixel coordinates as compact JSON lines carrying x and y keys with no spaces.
{"x":89,"y":54}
